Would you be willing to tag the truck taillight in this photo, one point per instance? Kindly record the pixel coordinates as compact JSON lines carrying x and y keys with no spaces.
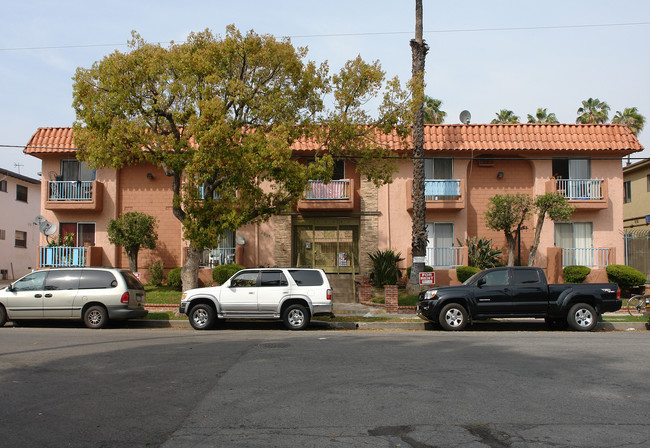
{"x":125,"y":297}
{"x":329,"y":294}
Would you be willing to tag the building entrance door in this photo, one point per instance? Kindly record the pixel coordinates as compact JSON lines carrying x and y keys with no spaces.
{"x":329,"y":244}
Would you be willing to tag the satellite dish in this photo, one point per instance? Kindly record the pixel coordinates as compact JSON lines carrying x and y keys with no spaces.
{"x":39,"y":219}
{"x":240,"y":240}
{"x":465,"y":117}
{"x":47,"y":228}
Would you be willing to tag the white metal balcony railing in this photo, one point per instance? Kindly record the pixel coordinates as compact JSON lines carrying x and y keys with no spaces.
{"x":435,"y":189}
{"x":70,"y":190}
{"x":216,"y":257}
{"x":335,"y":189}
{"x":580,"y":189}
{"x":592,"y":257}
{"x":62,"y":256}
{"x":444,"y":256}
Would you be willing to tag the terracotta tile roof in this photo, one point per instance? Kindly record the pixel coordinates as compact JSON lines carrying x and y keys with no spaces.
{"x":445,"y":137}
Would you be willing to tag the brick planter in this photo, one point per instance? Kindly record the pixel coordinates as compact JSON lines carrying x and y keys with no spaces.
{"x":391,"y":298}
{"x":365,"y":293}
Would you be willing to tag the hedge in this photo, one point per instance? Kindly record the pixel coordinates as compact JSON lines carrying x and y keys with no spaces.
{"x":625,"y":276}
{"x":174,"y":279}
{"x":575,"y":274}
{"x":465,"y":272}
{"x":223,"y":272}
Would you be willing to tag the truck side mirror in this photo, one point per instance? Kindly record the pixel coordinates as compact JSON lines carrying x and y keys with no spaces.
{"x":481,"y":282}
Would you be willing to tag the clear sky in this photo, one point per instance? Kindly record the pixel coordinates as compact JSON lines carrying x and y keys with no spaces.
{"x":484,"y":56}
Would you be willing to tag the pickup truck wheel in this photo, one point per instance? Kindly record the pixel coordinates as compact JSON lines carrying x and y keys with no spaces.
{"x":453,"y":317}
{"x":202,"y":317}
{"x":582,"y":317}
{"x":296,"y":317}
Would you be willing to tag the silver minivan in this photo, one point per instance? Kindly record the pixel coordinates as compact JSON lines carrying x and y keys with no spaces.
{"x":94,"y":295}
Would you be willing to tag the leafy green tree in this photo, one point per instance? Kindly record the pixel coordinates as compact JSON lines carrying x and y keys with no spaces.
{"x":507,"y":213}
{"x":133,"y":230}
{"x":221,"y":115}
{"x":631,"y":118}
{"x":542,"y":116}
{"x":432,"y":112}
{"x":505,"y":116}
{"x":593,"y":111}
{"x":557,"y":208}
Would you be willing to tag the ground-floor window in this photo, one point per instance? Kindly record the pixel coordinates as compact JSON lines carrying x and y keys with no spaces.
{"x":84,"y":232}
{"x":441,"y":251}
{"x":577,"y":241}
{"x":330,"y":244}
{"x":224,"y":253}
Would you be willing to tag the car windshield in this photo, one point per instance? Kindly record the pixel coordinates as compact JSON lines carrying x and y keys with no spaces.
{"x":472,"y":279}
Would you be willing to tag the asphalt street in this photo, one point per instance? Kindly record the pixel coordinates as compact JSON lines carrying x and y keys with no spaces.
{"x":266,"y":387}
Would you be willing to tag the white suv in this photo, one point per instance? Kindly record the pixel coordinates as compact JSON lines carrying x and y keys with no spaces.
{"x":291,"y":294}
{"x":94,"y":295}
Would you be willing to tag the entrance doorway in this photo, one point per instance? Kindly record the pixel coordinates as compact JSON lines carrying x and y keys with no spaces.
{"x":330,"y":244}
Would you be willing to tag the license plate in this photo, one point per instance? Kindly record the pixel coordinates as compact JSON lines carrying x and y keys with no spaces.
{"x":138,"y":298}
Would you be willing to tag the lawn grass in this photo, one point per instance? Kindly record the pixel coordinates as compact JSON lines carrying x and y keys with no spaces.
{"x":624,"y":318}
{"x":403,"y":298}
{"x":162,"y":294}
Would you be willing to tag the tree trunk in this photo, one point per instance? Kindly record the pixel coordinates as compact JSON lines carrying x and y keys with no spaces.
{"x":133,"y":260}
{"x":512,"y":243}
{"x":538,"y":235}
{"x":419,"y":234}
{"x":190,"y":271}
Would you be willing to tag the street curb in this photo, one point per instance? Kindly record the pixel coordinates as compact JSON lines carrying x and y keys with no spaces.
{"x":510,"y":324}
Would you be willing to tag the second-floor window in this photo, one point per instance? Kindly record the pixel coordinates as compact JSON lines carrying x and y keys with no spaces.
{"x":439,"y":168}
{"x":627,"y":192}
{"x":72,"y":169}
{"x":3,"y":185}
{"x":21,"y":193}
{"x":571,"y":168}
{"x":84,"y":232}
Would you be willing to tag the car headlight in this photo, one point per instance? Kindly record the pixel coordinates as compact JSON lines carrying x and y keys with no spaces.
{"x":183,"y":297}
{"x":430,"y":294}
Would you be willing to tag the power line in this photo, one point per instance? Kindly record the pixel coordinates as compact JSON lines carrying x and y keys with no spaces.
{"x":382,"y":33}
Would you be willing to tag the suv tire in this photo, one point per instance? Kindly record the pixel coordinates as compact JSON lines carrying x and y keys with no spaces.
{"x":202,"y":316}
{"x":296,"y":317}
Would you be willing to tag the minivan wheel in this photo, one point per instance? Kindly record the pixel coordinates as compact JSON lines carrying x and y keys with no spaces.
{"x":202,"y":317}
{"x":582,"y":317}
{"x":296,"y":317}
{"x":96,"y":317}
{"x":453,"y":317}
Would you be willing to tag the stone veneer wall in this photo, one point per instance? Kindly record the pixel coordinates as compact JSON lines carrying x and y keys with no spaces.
{"x":368,"y":231}
{"x":282,"y":241}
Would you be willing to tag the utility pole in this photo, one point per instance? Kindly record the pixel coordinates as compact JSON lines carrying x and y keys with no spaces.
{"x":419,"y":51}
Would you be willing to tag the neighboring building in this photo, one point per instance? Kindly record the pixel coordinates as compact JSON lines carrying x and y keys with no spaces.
{"x":465,"y":166}
{"x":636,"y":215}
{"x":20,"y":201}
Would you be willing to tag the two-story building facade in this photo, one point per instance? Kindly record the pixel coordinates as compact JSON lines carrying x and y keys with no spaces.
{"x":336,"y":225}
{"x":636,"y":215}
{"x":20,"y":200}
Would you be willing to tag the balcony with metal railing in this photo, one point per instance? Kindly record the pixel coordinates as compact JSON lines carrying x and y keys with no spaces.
{"x":444,"y":257}
{"x":592,"y":257}
{"x":59,"y":256}
{"x":581,"y":193}
{"x":446,"y":194}
{"x":74,"y":195}
{"x":334,"y":195}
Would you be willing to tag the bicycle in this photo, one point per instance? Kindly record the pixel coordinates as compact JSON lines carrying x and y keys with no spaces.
{"x":636,"y":305}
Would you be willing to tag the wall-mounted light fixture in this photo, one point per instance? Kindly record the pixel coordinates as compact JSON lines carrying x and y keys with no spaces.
{"x":149,"y":176}
{"x":500,"y":175}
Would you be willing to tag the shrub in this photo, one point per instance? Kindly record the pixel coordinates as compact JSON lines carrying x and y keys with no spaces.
{"x":384,"y":267}
{"x":465,"y":272}
{"x":625,"y":276}
{"x":174,"y":279}
{"x":156,"y":273}
{"x":223,"y":272}
{"x":426,"y":269}
{"x":575,"y":274}
{"x":480,"y":253}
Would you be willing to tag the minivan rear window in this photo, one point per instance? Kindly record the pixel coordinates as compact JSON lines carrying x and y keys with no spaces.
{"x":92,"y":279}
{"x":306,"y":278}
{"x":131,"y":281}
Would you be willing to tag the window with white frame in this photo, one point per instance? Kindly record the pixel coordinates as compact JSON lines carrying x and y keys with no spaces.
{"x":440,"y":246}
{"x":439,"y":182}
{"x":576,"y":238}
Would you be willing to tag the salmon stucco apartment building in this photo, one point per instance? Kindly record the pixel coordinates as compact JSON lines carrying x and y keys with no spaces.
{"x":465,"y":165}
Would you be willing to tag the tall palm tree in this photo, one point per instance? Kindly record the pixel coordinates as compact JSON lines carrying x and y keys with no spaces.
{"x":631,"y":118}
{"x":432,"y":112}
{"x":593,"y":111}
{"x":542,"y":116}
{"x":505,"y":116}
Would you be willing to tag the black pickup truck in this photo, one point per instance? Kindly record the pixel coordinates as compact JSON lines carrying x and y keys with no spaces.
{"x":518,"y":292}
